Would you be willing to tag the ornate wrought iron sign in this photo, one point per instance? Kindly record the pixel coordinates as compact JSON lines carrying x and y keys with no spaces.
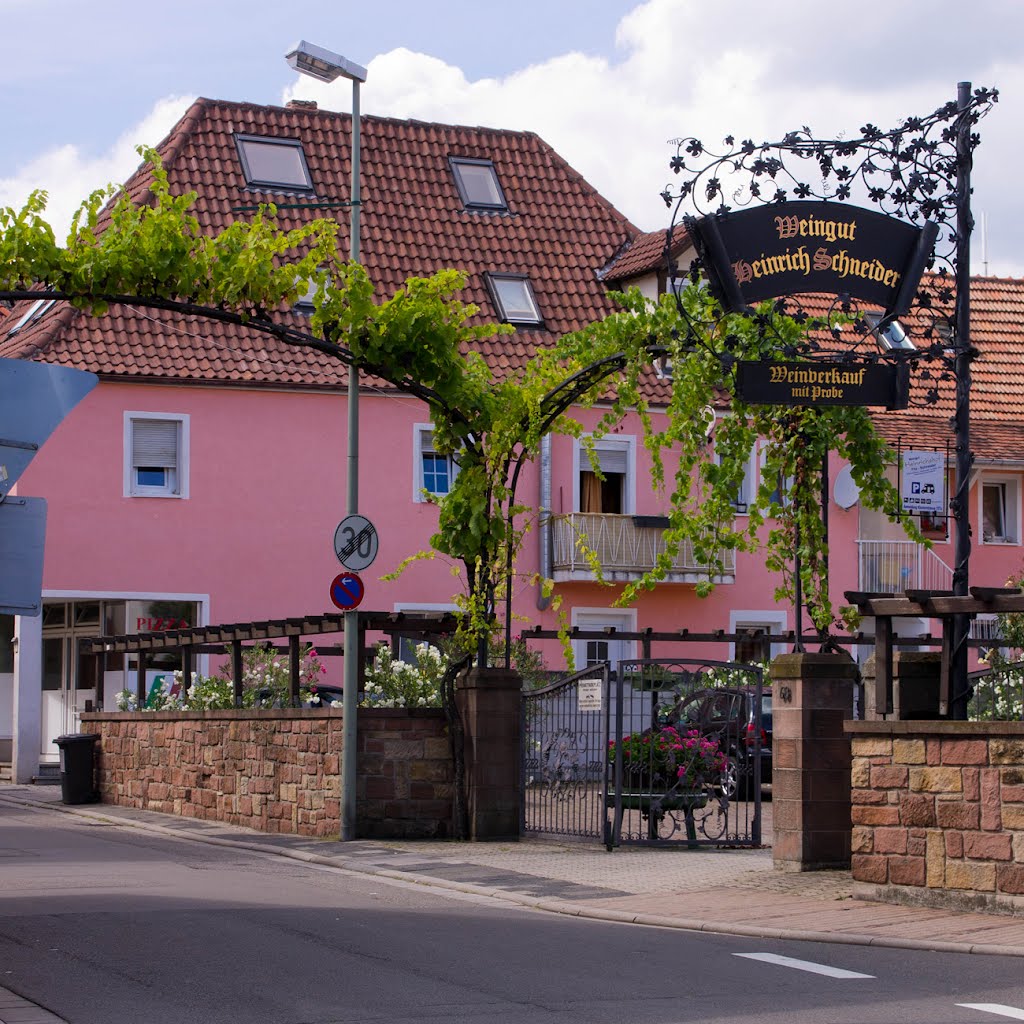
{"x":919,"y":172}
{"x":819,"y":383}
{"x":800,"y":247}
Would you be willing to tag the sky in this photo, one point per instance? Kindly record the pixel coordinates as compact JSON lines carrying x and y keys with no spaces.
{"x":608,"y":83}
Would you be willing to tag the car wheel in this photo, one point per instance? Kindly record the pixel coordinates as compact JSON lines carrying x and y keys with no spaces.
{"x":734,"y":783}
{"x":730,"y":780}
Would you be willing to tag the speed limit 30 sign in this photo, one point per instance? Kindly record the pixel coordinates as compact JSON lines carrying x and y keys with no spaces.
{"x":355,"y":542}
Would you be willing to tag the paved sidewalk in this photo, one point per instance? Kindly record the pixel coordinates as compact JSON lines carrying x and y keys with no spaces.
{"x":731,"y":891}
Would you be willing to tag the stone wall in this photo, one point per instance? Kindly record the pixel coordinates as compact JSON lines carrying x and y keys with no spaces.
{"x":279,"y":771}
{"x":938,"y":813}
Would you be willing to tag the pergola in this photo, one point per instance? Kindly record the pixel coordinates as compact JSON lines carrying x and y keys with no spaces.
{"x":219,"y":639}
{"x":931,"y":604}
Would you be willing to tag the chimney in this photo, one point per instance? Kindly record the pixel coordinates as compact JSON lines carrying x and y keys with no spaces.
{"x":302,"y":105}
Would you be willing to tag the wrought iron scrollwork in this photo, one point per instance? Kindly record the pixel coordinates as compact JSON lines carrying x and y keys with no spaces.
{"x":909,"y":172}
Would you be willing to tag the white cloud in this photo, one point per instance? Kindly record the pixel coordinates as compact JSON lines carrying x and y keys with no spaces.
{"x":68,"y":175}
{"x":684,"y":67}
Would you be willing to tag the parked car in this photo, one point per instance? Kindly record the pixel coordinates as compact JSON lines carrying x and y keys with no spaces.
{"x":324,"y":695}
{"x":321,"y":695}
{"x":729,"y":714}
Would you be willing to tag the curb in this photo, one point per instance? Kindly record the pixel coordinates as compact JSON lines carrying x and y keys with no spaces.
{"x":358,"y":867}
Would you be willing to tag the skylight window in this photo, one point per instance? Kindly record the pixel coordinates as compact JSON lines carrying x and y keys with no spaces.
{"x":892,"y":336}
{"x":274,"y":163}
{"x":304,"y":304}
{"x":34,"y":312}
{"x":514,"y":299}
{"x":478,"y":184}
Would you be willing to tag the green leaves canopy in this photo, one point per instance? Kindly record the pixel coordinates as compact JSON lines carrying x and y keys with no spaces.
{"x":422,"y":340}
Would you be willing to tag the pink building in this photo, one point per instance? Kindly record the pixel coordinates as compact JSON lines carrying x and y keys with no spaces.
{"x":203,"y":479}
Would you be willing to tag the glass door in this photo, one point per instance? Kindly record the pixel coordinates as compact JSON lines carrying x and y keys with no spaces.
{"x":69,"y":680}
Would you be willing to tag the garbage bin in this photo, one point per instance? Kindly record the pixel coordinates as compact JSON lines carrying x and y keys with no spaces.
{"x":77,"y":769}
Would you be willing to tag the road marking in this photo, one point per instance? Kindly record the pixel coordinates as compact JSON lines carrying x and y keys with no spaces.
{"x":803,"y":965}
{"x":1003,"y":1011}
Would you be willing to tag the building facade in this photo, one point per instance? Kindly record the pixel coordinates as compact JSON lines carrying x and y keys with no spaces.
{"x":203,"y":479}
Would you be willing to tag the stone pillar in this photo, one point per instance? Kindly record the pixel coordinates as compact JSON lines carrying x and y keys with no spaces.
{"x":915,"y":687}
{"x":490,"y":704}
{"x":812,"y":695}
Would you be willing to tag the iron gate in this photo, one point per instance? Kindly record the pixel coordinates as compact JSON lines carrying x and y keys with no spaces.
{"x":565,"y":740}
{"x":689,"y":750}
{"x":668,"y":751}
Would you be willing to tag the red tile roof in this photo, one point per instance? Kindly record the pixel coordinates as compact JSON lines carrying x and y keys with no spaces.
{"x":570,"y":241}
{"x":997,"y":374}
{"x":557,"y":229}
{"x":645,"y":254}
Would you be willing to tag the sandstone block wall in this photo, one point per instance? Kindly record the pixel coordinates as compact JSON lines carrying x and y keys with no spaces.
{"x":279,"y":770}
{"x":938,"y":813}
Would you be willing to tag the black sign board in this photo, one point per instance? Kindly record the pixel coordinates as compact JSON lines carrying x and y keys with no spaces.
{"x":800,"y":247}
{"x":885,"y":384}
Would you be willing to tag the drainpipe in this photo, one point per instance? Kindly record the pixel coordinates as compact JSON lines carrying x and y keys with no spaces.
{"x":544,"y":517}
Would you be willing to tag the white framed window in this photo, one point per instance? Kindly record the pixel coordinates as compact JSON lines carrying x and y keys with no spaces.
{"x":156,"y":447}
{"x":1000,"y":510}
{"x":783,"y":484}
{"x":750,"y":651}
{"x":432,"y":472}
{"x":611,"y":648}
{"x":616,"y":493}
{"x":745,"y":495}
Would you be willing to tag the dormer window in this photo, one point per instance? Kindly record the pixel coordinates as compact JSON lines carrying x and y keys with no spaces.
{"x":478,"y":184}
{"x":271,"y":164}
{"x":514,"y":299}
{"x":34,"y":312}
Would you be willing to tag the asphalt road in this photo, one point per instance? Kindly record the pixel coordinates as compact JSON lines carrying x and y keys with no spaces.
{"x":103,"y":924}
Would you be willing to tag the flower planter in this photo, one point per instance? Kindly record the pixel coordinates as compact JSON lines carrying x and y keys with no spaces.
{"x":653,"y":806}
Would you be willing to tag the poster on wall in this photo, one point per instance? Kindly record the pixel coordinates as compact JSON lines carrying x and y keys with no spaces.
{"x":923,"y":487}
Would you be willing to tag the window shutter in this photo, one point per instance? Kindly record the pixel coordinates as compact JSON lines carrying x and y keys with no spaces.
{"x":613,"y":459}
{"x":155,"y":443}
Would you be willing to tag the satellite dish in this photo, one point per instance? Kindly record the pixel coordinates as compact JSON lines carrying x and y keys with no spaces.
{"x":846,"y":493}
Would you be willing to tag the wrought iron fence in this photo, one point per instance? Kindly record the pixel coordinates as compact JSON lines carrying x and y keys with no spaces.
{"x":998,"y":693}
{"x":893,"y":566}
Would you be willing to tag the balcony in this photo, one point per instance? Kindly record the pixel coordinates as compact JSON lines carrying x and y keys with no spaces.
{"x":894,"y":566}
{"x":626,"y":546}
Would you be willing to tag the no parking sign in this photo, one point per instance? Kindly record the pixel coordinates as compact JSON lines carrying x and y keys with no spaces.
{"x":347,"y":591}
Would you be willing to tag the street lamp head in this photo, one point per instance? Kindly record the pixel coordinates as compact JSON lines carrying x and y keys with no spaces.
{"x":323,"y":64}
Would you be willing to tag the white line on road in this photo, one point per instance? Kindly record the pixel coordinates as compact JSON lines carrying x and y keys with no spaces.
{"x":1004,"y":1011}
{"x":802,"y":965}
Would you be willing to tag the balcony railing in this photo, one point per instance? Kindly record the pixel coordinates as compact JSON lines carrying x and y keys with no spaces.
{"x":893,"y":566}
{"x":626,"y":547}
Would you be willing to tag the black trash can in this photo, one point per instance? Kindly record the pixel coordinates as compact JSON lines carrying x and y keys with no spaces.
{"x":77,"y":768}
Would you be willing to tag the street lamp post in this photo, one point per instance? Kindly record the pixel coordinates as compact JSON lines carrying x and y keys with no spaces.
{"x":327,"y":66}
